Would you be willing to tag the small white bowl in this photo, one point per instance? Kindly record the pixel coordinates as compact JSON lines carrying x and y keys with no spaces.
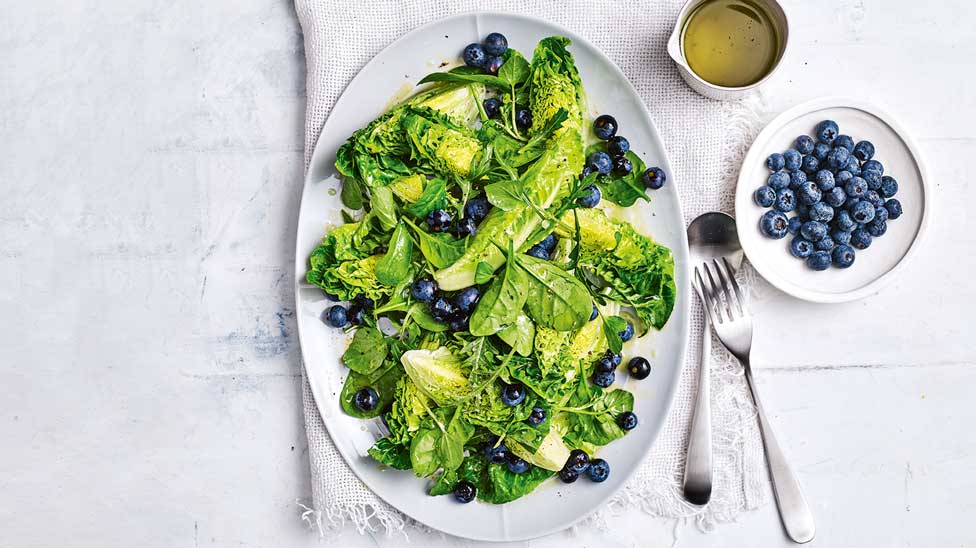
{"x":676,"y":50}
{"x":873,"y":266}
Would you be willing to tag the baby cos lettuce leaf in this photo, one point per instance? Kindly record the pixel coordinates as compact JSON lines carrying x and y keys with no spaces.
{"x":437,"y":373}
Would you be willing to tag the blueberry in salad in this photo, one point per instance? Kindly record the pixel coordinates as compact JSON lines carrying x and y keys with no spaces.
{"x":605,"y":127}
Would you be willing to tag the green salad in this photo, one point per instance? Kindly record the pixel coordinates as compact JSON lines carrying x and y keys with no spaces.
{"x":489,"y":293}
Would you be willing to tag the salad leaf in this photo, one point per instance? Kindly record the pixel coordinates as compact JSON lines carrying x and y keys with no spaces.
{"x":395,"y":265}
{"x":622,"y":190}
{"x":515,"y":70}
{"x":505,"y":486}
{"x":500,"y":305}
{"x":383,"y":380}
{"x":408,"y":410}
{"x":552,"y":453}
{"x":444,"y":146}
{"x":409,"y":188}
{"x":391,"y":454}
{"x":556,"y":299}
{"x":421,"y":315}
{"x":382,"y":207}
{"x":440,"y":442}
{"x":437,"y":373}
{"x":592,"y":414}
{"x":367,"y":351}
{"x":505,"y":195}
{"x":520,"y":335}
{"x":612,"y":326}
{"x":434,"y":196}
{"x":439,"y":249}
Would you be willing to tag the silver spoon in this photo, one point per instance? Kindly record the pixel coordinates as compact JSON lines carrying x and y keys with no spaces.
{"x":710,"y":236}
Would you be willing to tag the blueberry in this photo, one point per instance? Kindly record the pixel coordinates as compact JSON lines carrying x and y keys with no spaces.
{"x":800,"y":248}
{"x":803,"y":212}
{"x":826,"y":131}
{"x":861,"y":238}
{"x":844,"y":141}
{"x":336,"y":316}
{"x":476,"y":208}
{"x":464,"y":492}
{"x":778,"y":180}
{"x":493,"y":64}
{"x":785,"y":200}
{"x":797,"y":178}
{"x":809,"y":193}
{"x":538,"y":252}
{"x":853,"y":166}
{"x":366,"y":399}
{"x":813,"y":231}
{"x":842,"y":177}
{"x":548,"y":243}
{"x":627,"y":420}
{"x":615,"y":358}
{"x":438,"y":220}
{"x":523,"y":118}
{"x":380,"y":250}
{"x":356,"y":314}
{"x":775,"y":161}
{"x":496,"y":453}
{"x":442,"y":309}
{"x":803,"y":144}
{"x":773,"y":224}
{"x":873,"y":164}
{"x":605,"y":127}
{"x":810,"y":164}
{"x":600,"y":162}
{"x":475,"y":56}
{"x":863,"y":151}
{"x":793,"y":226}
{"x":639,"y":368}
{"x":513,"y":394}
{"x":654,"y":178}
{"x":820,"y":151}
{"x":836,"y":197}
{"x":840,"y":237}
{"x":578,"y":461}
{"x":837,"y":158}
{"x":598,"y":471}
{"x":516,"y":465}
{"x":537,"y":416}
{"x":363,"y":301}
{"x":862,"y":212}
{"x":591,"y":198}
{"x":603,"y":380}
{"x":889,"y":186}
{"x":872,"y":198}
{"x":843,"y":221}
{"x":424,"y":290}
{"x":568,"y":476}
{"x":843,"y":256}
{"x":894,"y":208}
{"x":493,"y":107}
{"x":594,"y":314}
{"x":618,"y":145}
{"x":825,"y":180}
{"x":605,"y":365}
{"x":466,"y":299}
{"x":873,"y":179}
{"x":627,"y":333}
{"x":821,"y":212}
{"x":819,"y":260}
{"x":622,"y":165}
{"x":463,"y":228}
{"x":792,"y":159}
{"x":877,"y":228}
{"x":880,"y":214}
{"x":825,"y":245}
{"x":496,"y":44}
{"x":856,"y":187}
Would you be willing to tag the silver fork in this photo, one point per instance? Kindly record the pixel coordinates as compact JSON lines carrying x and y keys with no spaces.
{"x":733,"y":326}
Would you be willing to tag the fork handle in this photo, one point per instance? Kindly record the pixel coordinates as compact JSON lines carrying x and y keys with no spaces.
{"x":793,"y":509}
{"x":698,"y":464}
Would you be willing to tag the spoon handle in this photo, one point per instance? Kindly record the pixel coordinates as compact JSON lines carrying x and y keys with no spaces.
{"x":698,"y":465}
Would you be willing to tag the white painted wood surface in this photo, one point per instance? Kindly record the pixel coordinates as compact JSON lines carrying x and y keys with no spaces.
{"x":150,"y":173}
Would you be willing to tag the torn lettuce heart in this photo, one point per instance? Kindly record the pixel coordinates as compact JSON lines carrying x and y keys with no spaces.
{"x":485,"y":303}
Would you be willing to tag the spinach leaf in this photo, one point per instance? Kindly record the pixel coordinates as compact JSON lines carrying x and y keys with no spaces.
{"x":483,"y":273}
{"x":440,"y":250}
{"x":504,"y":486}
{"x":593,"y":412}
{"x":391,"y":454}
{"x":367,"y":351}
{"x":501,"y":303}
{"x":486,"y":79}
{"x":556,"y":299}
{"x":383,"y":380}
{"x":382,"y":206}
{"x":352,"y":193}
{"x":440,"y":442}
{"x":423,"y":452}
{"x":394,"y":266}
{"x":622,"y":190}
{"x":505,"y":195}
{"x":612,"y":326}
{"x":472,"y":470}
{"x":422,"y":316}
{"x":520,"y":335}
{"x":434,"y":196}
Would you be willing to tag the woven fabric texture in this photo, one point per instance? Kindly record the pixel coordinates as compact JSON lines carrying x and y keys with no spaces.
{"x":705,"y":141}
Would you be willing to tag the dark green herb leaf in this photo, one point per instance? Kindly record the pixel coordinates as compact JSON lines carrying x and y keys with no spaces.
{"x":504,"y":486}
{"x":612,"y":326}
{"x":383,"y":380}
{"x":515,"y":70}
{"x":505,"y":195}
{"x":352,"y":193}
{"x":367,"y":351}
{"x":422,"y":316}
{"x":440,"y":250}
{"x":501,"y":304}
{"x":556,"y":299}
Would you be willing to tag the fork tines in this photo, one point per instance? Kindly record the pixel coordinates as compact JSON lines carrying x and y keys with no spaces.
{"x":718,"y":296}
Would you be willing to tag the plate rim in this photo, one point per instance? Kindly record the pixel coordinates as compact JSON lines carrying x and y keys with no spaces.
{"x":682,"y":307}
{"x":743,"y":195}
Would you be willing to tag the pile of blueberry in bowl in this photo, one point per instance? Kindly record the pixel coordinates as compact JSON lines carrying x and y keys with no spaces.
{"x":830,"y":194}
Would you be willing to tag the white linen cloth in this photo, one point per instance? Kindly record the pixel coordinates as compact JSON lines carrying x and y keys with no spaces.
{"x":705,"y":140}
